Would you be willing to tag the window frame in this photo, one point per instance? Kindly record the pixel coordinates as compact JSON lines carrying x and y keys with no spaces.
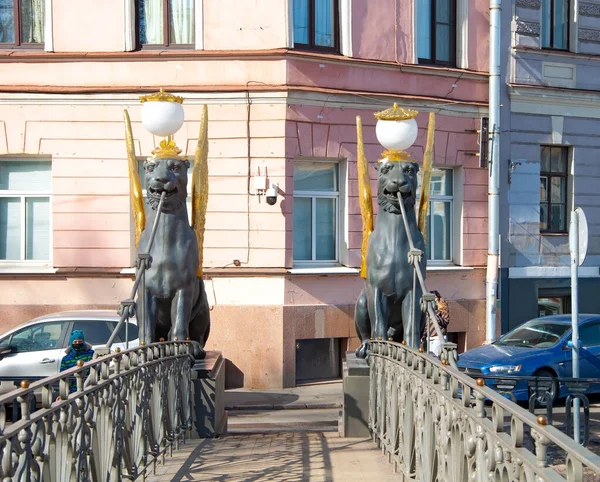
{"x":166,"y":30}
{"x":440,"y":198}
{"x":433,"y":33}
{"x":549,"y":175}
{"x":311,"y":29}
{"x":18,"y":43}
{"x":24,"y":195}
{"x":551,"y":45}
{"x":314,"y":195}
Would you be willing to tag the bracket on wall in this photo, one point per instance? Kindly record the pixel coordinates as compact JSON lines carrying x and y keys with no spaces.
{"x":512,"y":167}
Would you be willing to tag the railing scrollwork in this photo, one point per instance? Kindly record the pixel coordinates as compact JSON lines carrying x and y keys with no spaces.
{"x":437,"y":424}
{"x":129,"y":409}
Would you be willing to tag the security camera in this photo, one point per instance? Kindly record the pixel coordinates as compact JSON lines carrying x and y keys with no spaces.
{"x":272,"y":195}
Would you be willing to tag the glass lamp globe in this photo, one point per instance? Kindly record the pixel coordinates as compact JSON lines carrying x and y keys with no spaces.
{"x":162,"y":113}
{"x":396,"y":128}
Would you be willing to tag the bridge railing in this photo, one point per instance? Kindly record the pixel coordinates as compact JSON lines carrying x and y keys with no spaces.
{"x":113,"y":418}
{"x":435,"y":423}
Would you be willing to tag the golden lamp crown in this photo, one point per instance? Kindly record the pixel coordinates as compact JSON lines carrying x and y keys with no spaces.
{"x":167,"y":149}
{"x":396,"y":113}
{"x":161,"y":96}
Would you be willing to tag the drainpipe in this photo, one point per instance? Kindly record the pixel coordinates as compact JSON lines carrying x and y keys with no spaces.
{"x":494,"y":174}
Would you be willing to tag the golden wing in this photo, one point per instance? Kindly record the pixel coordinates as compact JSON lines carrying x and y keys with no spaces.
{"x":365,"y":199}
{"x":200,"y":186}
{"x":135,"y":184}
{"x":426,"y":179}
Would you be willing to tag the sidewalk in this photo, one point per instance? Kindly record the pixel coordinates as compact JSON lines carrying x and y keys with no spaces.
{"x":319,"y":395}
{"x":308,"y":408}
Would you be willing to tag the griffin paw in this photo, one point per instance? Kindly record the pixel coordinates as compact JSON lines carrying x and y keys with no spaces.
{"x":363,"y":350}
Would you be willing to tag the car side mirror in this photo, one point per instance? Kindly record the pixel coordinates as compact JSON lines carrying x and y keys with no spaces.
{"x":7,"y":350}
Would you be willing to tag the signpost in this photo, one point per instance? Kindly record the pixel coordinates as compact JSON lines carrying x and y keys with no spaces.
{"x":578,"y":241}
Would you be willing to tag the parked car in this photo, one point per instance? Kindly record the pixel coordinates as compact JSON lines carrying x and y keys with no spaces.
{"x":34,"y":349}
{"x":539,"y":347}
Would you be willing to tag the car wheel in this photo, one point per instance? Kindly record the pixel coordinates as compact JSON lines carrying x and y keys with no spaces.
{"x":541,"y":400}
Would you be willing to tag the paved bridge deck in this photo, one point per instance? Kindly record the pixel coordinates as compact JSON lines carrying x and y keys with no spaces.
{"x":289,"y":457}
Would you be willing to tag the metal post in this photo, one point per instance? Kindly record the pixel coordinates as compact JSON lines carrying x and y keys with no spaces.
{"x":494,"y":174}
{"x":574,"y":249}
{"x":141,"y":308}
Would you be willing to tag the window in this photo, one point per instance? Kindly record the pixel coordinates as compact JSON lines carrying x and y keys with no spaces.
{"x":553,"y":189}
{"x":21,"y":23}
{"x":438,"y":245}
{"x":590,"y":335}
{"x":25,"y":188}
{"x":44,"y":336}
{"x":436,"y":31}
{"x":316,"y":207}
{"x":554,"y":305}
{"x":555,"y":24}
{"x":165,"y":23}
{"x":316,"y":24}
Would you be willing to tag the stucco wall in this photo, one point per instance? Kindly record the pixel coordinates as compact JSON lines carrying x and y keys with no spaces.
{"x":528,"y":248}
{"x":88,"y":26}
{"x":331,"y":132}
{"x":90,"y":191}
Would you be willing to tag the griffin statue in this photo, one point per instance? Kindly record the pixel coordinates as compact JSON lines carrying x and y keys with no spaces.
{"x":175,"y":301}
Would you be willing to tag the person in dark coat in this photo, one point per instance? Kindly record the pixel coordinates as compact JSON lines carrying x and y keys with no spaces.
{"x":77,"y":350}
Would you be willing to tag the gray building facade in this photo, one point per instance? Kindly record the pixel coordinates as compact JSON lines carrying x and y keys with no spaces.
{"x":549,"y":154}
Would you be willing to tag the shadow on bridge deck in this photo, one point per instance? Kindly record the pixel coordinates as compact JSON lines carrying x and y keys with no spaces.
{"x":277,"y":457}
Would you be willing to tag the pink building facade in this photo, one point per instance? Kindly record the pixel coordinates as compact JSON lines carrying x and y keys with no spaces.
{"x":282,"y":100}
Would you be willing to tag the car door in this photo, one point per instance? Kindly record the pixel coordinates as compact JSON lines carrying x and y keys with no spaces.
{"x":35,"y":351}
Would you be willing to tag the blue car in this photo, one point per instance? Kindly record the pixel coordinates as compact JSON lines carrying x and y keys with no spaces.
{"x":539,"y":347}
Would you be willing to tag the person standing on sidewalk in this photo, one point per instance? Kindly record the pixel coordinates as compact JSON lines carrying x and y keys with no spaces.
{"x":442,"y":315}
{"x":77,"y":350}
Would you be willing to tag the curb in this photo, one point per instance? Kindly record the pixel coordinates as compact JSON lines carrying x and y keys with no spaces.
{"x":289,"y":406}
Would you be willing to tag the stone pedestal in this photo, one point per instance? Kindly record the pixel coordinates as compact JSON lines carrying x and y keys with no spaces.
{"x":355,"y":413}
{"x":208,"y":378}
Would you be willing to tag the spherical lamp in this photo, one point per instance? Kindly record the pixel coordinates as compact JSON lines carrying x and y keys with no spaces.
{"x":162,"y":113}
{"x":396,"y":128}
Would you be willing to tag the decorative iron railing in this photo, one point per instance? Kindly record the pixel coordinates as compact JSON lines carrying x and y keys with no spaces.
{"x":437,"y":424}
{"x":126,"y":412}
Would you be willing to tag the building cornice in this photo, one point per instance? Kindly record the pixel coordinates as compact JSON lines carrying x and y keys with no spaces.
{"x":551,"y":54}
{"x":30,"y":56}
{"x":543,"y":100}
{"x":290,"y":95}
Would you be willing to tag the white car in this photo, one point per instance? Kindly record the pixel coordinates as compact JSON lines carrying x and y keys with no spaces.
{"x":34,"y":349}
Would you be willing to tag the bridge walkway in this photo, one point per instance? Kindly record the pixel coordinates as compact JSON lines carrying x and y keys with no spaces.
{"x":277,"y":457}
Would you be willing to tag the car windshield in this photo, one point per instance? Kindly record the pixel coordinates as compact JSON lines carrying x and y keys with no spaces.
{"x":534,"y":334}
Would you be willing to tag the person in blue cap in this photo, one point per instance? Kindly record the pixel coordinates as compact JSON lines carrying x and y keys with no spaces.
{"x":77,"y":350}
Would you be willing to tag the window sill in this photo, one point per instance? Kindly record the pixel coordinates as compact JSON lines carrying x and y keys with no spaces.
{"x":449,"y":267}
{"x":12,"y":269}
{"x":127,"y":271}
{"x":324,"y":270}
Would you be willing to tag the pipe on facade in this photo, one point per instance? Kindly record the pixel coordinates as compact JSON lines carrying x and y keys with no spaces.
{"x":494,"y":174}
